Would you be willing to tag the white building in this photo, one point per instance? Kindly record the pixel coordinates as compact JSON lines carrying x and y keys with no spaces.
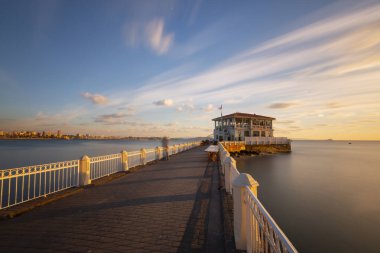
{"x":236,"y":126}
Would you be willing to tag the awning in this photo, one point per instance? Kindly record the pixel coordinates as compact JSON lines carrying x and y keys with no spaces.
{"x":212,"y":149}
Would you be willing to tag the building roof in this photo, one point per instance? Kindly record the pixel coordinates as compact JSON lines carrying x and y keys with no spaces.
{"x":243,"y":115}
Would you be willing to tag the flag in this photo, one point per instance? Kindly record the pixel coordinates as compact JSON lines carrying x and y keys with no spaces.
{"x":221,"y":107}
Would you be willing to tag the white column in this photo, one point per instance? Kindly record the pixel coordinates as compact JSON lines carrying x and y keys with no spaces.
{"x":84,"y":171}
{"x":240,"y":208}
{"x":230,"y":164}
{"x":124,"y":160}
{"x":143,"y":156}
{"x":157,"y":151}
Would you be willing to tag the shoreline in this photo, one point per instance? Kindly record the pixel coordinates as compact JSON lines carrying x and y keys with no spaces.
{"x":94,"y":139}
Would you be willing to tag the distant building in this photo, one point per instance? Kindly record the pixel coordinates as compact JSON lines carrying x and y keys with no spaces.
{"x":236,"y":126}
{"x":59,"y":134}
{"x":1,"y":133}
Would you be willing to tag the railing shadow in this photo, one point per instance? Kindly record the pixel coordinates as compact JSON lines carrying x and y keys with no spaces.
{"x":82,"y":210}
{"x":195,"y":236}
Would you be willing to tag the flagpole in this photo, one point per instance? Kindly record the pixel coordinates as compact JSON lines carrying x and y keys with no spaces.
{"x":221,"y":115}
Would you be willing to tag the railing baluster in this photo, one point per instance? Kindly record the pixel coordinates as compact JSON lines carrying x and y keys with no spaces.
{"x":16,"y":187}
{"x":9,"y":189}
{"x":59,"y":179}
{"x":28,"y":183}
{"x":2,"y":189}
{"x":50,"y":181}
{"x":22,"y":185}
{"x":55,"y":173}
{"x":40,"y":182}
{"x":67,"y":178}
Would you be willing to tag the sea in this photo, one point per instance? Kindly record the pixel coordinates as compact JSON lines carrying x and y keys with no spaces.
{"x":324,"y":195}
{"x":17,"y":153}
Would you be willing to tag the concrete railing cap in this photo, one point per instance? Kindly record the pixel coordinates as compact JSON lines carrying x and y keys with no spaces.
{"x":245,"y":179}
{"x":228,"y":159}
{"x":85,"y":157}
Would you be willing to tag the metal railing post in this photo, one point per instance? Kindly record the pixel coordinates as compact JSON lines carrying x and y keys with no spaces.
{"x":84,"y":171}
{"x":124,"y":160}
{"x":240,"y":207}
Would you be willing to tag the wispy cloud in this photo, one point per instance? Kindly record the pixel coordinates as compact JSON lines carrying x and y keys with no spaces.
{"x":285,"y":122}
{"x":152,"y":34}
{"x":187,"y":106}
{"x":95,"y":98}
{"x":354,"y":18}
{"x":331,"y":65}
{"x":334,"y":105}
{"x":58,"y":118}
{"x":282,"y":105}
{"x":48,"y":121}
{"x":209,"y":108}
{"x":156,"y":38}
{"x":338,"y":61}
{"x":164,"y":102}
{"x":111,"y":119}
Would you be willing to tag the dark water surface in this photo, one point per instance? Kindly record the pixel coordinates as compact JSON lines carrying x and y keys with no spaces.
{"x":17,"y":153}
{"x":325,"y":195}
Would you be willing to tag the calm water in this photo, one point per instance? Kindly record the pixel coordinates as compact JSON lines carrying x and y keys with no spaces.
{"x":324,"y":195}
{"x":17,"y":153}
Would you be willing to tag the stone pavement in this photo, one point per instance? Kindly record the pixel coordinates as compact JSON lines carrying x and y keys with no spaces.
{"x":168,"y":206}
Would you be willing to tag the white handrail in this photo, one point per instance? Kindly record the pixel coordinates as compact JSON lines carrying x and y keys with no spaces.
{"x":266,"y":140}
{"x":261,"y":231}
{"x":23,"y":184}
{"x":277,"y":240}
{"x":19,"y":185}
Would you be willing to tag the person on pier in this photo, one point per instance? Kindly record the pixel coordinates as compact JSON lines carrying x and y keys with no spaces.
{"x":165,"y":145}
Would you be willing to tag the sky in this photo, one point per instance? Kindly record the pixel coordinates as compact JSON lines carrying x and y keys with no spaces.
{"x":155,"y":68}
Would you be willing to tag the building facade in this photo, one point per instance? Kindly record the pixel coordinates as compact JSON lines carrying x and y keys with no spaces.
{"x":237,"y":126}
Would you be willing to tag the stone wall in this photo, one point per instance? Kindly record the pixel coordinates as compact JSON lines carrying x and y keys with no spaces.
{"x":274,"y":148}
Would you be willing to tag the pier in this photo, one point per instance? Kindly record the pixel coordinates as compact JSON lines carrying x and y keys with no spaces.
{"x":162,"y":207}
{"x":138,"y":202}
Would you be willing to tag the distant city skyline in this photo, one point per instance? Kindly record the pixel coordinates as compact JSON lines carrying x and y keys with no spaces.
{"x":155,"y":68}
{"x":65,"y":136}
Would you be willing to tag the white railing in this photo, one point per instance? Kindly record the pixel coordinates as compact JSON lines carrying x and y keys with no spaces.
{"x":170,"y":151}
{"x":232,"y":142}
{"x":266,"y":140}
{"x":106,"y":165}
{"x":160,"y":153}
{"x":254,"y":229}
{"x":134,"y":159}
{"x":263,"y":234}
{"x":27,"y":183}
{"x":150,"y":155}
{"x":174,"y":149}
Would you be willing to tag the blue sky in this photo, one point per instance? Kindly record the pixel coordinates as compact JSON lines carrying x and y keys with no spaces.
{"x":147,"y":68}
